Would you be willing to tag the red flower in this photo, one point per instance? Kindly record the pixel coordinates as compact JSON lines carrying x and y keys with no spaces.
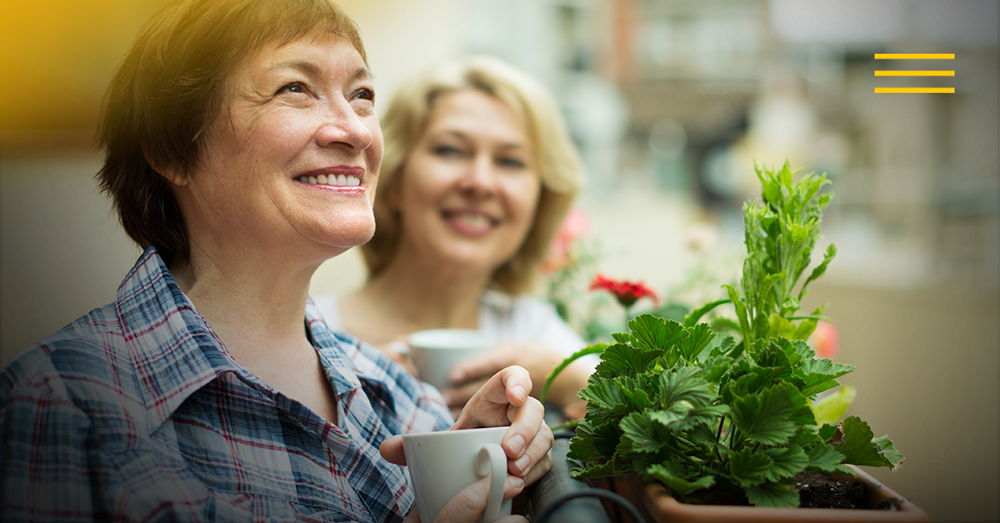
{"x":825,"y":340}
{"x":625,"y":292}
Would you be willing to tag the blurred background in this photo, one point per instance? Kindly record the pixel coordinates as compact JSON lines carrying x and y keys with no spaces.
{"x":671,"y":103}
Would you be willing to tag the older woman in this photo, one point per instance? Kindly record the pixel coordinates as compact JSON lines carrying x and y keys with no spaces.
{"x":242,"y":150}
{"x":478,"y":174}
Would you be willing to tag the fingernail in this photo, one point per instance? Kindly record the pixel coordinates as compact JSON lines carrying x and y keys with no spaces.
{"x":516,"y":444}
{"x":515,"y":482}
{"x":522,"y":463}
{"x":519,"y":392}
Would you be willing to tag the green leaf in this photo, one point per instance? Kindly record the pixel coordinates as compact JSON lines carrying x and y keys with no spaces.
{"x":684,"y":384}
{"x":594,"y":440}
{"x":756,"y":380}
{"x":621,"y":359}
{"x":596,"y":469}
{"x":656,"y":333}
{"x":682,"y":415}
{"x":888,"y":452}
{"x":819,"y":374}
{"x":697,"y":339}
{"x":776,"y":494}
{"x":677,"y":482}
{"x":642,"y":391}
{"x":749,"y":468}
{"x":833,"y":407}
{"x":823,"y":457}
{"x":604,"y":393}
{"x":691,"y":319}
{"x":820,"y":269}
{"x":788,"y":462}
{"x":715,"y":367}
{"x":779,"y":326}
{"x":645,"y":435}
{"x":826,"y":432}
{"x":769,"y":417}
{"x":860,"y":448}
{"x":808,"y":325}
{"x":741,"y":310}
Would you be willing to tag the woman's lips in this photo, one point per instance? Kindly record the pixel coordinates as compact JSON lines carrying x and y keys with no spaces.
{"x":471,"y":221}
{"x":338,"y":180}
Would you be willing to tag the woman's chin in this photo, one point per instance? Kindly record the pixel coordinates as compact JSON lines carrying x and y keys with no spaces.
{"x":347,"y":235}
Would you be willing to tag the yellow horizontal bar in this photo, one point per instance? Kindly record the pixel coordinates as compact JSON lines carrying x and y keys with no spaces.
{"x":889,"y":90}
{"x":914,"y":73}
{"x":904,"y":56}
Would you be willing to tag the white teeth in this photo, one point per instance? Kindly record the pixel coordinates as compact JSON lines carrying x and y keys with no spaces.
{"x":475,"y":220}
{"x":333,"y":179}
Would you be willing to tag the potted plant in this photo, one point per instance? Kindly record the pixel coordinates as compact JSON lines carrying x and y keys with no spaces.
{"x":727,"y":421}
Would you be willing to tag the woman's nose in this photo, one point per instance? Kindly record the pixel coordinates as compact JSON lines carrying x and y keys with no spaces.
{"x":343,"y":127}
{"x":480,"y":178}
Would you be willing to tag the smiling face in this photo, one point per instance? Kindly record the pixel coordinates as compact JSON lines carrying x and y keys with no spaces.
{"x":291,"y":161}
{"x":468,"y":192}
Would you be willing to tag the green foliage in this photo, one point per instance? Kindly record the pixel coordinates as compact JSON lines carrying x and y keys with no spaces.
{"x":655,"y":408}
{"x":687,"y":405}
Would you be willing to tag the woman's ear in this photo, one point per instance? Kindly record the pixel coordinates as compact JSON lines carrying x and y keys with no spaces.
{"x":173,"y":174}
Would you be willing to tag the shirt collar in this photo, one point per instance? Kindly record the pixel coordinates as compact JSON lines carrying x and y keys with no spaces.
{"x":173,"y":349}
{"x":175,"y":352}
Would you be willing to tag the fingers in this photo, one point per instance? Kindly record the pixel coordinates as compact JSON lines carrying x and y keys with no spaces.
{"x":540,"y":468}
{"x":490,"y":404}
{"x":516,"y":384}
{"x":535,"y":461}
{"x":470,"y":503}
{"x":526,"y":423}
{"x":392,"y":450}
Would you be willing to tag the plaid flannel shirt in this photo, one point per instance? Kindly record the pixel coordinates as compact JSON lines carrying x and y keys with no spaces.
{"x":136,"y":412}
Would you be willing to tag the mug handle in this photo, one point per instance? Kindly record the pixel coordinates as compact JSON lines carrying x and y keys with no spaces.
{"x":493,"y":462}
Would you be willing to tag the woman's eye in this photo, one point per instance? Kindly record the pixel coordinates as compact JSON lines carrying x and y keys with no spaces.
{"x":366,"y":94}
{"x":294,"y":87}
{"x":512,"y":163}
{"x":447,"y":151}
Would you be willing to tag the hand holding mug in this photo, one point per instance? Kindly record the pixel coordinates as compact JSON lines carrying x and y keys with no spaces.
{"x":503,"y":400}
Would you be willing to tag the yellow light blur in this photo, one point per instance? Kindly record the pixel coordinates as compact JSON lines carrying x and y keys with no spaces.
{"x":56,"y":58}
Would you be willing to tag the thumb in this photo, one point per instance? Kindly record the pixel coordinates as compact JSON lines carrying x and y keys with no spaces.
{"x":392,"y":450}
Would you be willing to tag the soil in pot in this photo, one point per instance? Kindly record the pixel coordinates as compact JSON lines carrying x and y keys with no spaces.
{"x":822,"y":491}
{"x":822,"y":497}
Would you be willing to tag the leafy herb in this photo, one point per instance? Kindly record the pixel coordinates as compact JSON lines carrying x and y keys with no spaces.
{"x":694,"y":409}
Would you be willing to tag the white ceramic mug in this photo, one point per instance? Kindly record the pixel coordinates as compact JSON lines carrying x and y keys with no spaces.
{"x":443,"y":463}
{"x":436,"y":351}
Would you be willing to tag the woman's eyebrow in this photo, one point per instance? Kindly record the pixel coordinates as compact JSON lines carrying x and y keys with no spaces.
{"x":302,"y":65}
{"x":314,"y":70}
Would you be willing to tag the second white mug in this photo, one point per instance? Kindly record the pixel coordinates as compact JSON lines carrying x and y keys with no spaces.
{"x":436,"y":351}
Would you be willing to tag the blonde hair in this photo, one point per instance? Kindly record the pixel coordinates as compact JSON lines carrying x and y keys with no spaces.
{"x":171,"y":85}
{"x":556,"y":159}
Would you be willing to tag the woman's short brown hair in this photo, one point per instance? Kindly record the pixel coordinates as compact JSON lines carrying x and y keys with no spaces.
{"x":558,"y":163}
{"x":172,"y":83}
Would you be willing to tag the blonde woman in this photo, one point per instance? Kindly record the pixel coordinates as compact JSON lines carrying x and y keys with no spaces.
{"x":478,"y":175}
